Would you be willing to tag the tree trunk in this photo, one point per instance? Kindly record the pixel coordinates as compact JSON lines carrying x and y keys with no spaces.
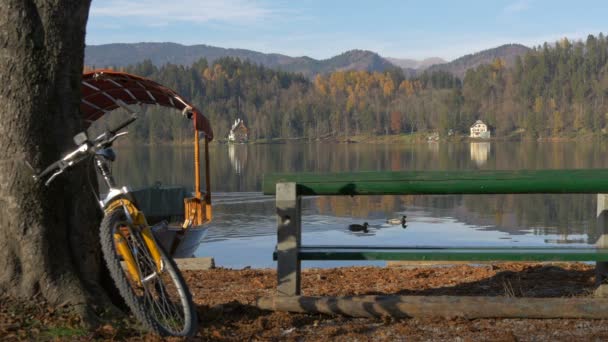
{"x":48,"y":235}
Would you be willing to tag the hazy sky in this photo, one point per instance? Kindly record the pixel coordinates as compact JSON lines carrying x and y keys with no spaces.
{"x":321,"y":29}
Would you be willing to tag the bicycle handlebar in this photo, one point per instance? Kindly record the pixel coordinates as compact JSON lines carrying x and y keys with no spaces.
{"x":87,"y":148}
{"x":48,"y":169}
{"x":62,"y":164}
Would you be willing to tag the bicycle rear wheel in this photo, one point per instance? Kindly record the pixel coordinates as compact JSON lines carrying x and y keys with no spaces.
{"x":160,"y":299}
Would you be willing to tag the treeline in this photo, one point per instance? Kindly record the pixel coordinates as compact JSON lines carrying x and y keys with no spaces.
{"x":223,"y":91}
{"x":554,"y":90}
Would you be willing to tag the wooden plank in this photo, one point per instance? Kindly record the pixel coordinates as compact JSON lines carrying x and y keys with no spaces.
{"x":441,"y":306}
{"x":448,"y":263}
{"x":444,"y":182}
{"x":544,"y":253}
{"x":195,"y":264}
{"x":288,"y":208}
{"x":601,"y":268}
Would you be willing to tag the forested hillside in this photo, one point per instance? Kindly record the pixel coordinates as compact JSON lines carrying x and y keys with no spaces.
{"x":508,"y":53}
{"x":555,"y":90}
{"x":125,"y":54}
{"x":122,"y":55}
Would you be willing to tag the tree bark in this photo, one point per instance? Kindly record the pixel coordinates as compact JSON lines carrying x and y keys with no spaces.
{"x":48,"y":235}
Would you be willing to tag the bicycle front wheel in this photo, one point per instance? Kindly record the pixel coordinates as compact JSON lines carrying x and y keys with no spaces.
{"x":160,"y":299}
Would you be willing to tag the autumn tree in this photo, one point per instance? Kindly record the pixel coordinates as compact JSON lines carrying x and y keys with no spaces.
{"x":555,"y":89}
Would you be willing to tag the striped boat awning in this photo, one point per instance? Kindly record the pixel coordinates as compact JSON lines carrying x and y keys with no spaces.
{"x":105,"y":90}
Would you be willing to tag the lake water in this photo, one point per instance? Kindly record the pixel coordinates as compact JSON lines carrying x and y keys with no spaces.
{"x":243,"y":231}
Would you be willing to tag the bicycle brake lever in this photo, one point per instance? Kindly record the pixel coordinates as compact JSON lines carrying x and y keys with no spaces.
{"x":120,"y":134}
{"x":53,"y":176}
{"x":117,"y":135}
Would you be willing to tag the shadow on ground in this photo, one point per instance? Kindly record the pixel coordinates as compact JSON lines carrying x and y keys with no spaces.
{"x":226,"y":300}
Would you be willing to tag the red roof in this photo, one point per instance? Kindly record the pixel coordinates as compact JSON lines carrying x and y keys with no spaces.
{"x":104,"y":90}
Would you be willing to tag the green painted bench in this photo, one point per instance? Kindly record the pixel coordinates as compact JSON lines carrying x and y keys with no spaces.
{"x":290,"y":187}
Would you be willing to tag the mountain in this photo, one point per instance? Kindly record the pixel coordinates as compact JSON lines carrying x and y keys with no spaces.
{"x":161,"y":53}
{"x":416,"y":64}
{"x":459,"y":66}
{"x":350,"y":60}
{"x":123,"y":54}
{"x":120,"y":54}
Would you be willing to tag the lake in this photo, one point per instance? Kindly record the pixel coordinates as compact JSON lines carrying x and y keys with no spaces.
{"x":243,"y":229}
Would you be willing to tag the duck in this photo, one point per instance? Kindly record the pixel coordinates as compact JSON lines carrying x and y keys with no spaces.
{"x":358,"y":227}
{"x":402,"y":221}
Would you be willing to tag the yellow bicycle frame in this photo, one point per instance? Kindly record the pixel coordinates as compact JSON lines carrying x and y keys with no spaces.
{"x":137,"y":219}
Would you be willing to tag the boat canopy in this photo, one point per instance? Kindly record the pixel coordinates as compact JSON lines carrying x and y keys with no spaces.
{"x":106,"y":90}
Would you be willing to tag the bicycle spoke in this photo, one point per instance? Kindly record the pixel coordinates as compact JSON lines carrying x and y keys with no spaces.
{"x":158,"y":296}
{"x":155,"y":294}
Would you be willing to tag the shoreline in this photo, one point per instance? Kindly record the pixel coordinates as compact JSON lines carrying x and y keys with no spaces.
{"x":414,"y":138}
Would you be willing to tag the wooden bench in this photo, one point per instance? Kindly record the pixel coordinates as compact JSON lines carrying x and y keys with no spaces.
{"x":289,"y":188}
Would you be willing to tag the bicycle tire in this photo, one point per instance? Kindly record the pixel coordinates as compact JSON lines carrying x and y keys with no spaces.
{"x":139,"y":297}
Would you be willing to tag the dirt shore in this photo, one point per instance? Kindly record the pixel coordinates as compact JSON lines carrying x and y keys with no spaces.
{"x":225,"y":305}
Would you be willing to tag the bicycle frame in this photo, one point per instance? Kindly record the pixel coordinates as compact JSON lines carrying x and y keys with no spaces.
{"x":117,"y":198}
{"x":139,"y":265}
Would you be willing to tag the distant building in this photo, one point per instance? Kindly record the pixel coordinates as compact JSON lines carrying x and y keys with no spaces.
{"x":239,"y":132}
{"x":480,"y":130}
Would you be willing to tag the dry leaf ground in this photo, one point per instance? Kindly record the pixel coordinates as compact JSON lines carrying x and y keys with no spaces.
{"x":225,"y":305}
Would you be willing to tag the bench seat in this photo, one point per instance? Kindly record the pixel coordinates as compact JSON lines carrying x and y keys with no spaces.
{"x":451,"y":253}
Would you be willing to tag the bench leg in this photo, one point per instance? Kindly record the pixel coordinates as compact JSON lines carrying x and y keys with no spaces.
{"x":289,"y":218}
{"x":601,"y":268}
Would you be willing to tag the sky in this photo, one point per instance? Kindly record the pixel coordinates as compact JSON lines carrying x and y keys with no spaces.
{"x":322,"y":29}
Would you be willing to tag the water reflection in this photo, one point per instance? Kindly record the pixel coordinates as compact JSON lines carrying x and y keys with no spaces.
{"x":433,"y":146}
{"x":244,"y":228}
{"x":565,"y":239}
{"x":237,"y":153}
{"x":172,"y":165}
{"x":244,"y":222}
{"x":480,"y":152}
{"x":253,"y":213}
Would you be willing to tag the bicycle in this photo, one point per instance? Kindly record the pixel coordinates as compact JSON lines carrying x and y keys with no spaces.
{"x":146,"y":277}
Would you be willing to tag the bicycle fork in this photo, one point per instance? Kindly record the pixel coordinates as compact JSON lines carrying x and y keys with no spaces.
{"x":135,"y":218}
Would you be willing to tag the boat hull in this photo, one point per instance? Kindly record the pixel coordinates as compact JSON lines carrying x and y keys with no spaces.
{"x":189,"y":243}
{"x":164,"y":210}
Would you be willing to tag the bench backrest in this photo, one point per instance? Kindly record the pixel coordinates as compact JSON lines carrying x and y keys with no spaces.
{"x":591,"y":181}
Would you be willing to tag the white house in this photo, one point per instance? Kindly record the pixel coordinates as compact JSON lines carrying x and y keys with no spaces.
{"x":480,"y":130}
{"x":238,"y":132}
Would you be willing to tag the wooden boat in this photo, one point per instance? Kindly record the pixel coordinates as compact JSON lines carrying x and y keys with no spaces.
{"x":164,"y":210}
{"x":178,"y":217}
